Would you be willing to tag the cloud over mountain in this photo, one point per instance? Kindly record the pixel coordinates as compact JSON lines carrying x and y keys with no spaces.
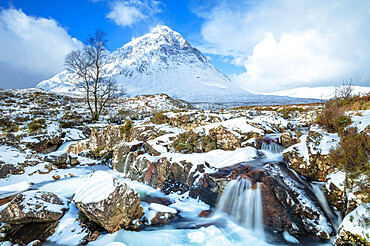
{"x":284,"y":44}
{"x":31,"y":48}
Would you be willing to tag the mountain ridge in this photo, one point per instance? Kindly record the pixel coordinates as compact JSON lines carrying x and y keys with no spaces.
{"x":161,"y":61}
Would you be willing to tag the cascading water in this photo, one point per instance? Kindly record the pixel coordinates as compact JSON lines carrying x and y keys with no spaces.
{"x":335,"y":218}
{"x":272,"y":147}
{"x":244,"y":203}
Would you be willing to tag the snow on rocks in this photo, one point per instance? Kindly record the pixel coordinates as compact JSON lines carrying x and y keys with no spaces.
{"x":309,"y":156}
{"x":355,"y":227}
{"x":109,"y":202}
{"x":158,"y":214}
{"x":34,"y":206}
{"x":69,"y":230}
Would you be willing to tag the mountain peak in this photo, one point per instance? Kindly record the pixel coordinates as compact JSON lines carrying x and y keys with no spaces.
{"x":162,"y":61}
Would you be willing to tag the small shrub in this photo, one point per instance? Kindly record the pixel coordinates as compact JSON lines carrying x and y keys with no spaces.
{"x":8,"y":125}
{"x":192,"y":142}
{"x":353,"y":157}
{"x":126,"y":128}
{"x":159,"y":118}
{"x":36,"y":125}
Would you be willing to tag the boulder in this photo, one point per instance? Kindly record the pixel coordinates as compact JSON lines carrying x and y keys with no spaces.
{"x":355,"y":227}
{"x":57,"y":158}
{"x":109,"y":202}
{"x":34,"y":206}
{"x":30,"y":234}
{"x":44,"y":143}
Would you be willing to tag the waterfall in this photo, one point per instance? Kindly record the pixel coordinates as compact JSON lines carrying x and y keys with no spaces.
{"x":272,"y":147}
{"x":244,"y":203}
{"x":335,"y":218}
{"x":126,"y":164}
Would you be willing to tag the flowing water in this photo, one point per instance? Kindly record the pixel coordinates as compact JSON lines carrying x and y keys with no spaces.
{"x":272,"y":147}
{"x":335,"y":218}
{"x":244,"y":203}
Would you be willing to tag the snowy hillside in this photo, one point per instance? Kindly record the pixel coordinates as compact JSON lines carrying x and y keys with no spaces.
{"x":162,"y":61}
{"x":316,"y":92}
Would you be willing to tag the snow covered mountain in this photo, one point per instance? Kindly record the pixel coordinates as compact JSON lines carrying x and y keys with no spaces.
{"x":162,"y":61}
{"x":316,"y":92}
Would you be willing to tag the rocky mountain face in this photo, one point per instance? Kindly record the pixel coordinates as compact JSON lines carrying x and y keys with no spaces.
{"x":162,"y":61}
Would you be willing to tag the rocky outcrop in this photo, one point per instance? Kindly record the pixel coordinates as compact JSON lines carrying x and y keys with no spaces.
{"x":115,"y":206}
{"x":9,"y":169}
{"x":34,"y":206}
{"x":44,"y":143}
{"x":288,"y":203}
{"x":309,"y":157}
{"x":287,"y":139}
{"x":225,"y":139}
{"x":57,"y":158}
{"x":355,"y":227}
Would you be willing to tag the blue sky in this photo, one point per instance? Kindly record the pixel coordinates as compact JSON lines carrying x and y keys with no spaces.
{"x":263,"y":46}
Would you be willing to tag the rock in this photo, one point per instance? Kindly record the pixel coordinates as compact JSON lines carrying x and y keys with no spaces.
{"x":159,"y":214}
{"x":225,"y":139}
{"x":56,"y":177}
{"x":57,"y":158}
{"x":94,"y":236}
{"x":35,"y":243}
{"x":114,"y":206}
{"x":287,"y":139}
{"x":73,"y":160}
{"x":355,"y":227}
{"x":286,"y":201}
{"x":10,"y":169}
{"x":34,"y":206}
{"x":159,"y":200}
{"x":205,"y":213}
{"x":44,"y":143}
{"x":32,"y":233}
{"x":309,"y":156}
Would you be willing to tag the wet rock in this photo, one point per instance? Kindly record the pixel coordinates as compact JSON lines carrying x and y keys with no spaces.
{"x":288,"y":204}
{"x":34,"y":206}
{"x":205,"y":213}
{"x":115,"y":206}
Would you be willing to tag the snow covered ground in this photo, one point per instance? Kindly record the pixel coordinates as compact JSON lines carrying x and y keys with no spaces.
{"x":317,"y":92}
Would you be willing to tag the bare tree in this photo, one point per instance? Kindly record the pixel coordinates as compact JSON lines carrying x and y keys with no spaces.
{"x":89,"y":66}
{"x":345,"y":90}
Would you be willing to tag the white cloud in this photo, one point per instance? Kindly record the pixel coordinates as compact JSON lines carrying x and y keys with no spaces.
{"x":285,"y":44}
{"x":31,"y":48}
{"x":128,"y":13}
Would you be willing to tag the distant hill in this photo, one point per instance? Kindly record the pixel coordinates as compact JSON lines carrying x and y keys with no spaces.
{"x":316,"y":92}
